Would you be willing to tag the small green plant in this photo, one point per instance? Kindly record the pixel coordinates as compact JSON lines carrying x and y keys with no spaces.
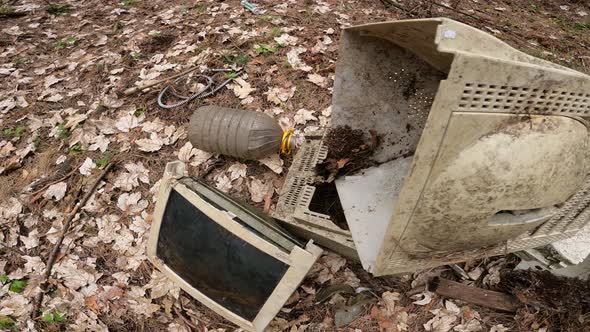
{"x":135,"y":56}
{"x":6,"y":322}
{"x":128,"y":3}
{"x":265,"y":49}
{"x":139,"y":111}
{"x":274,"y":32}
{"x":241,"y":59}
{"x":76,"y":148}
{"x":581,"y":25}
{"x":18,"y":132}
{"x":118,"y":26}
{"x":58,"y":9}
{"x":16,"y":285}
{"x":62,"y":131}
{"x":53,"y":317}
{"x":60,"y":44}
{"x":104,"y":159}
{"x":37,"y":141}
{"x":100,"y":107}
{"x":17,"y":60}
{"x":201,"y":8}
{"x":14,"y":132}
{"x":5,"y":9}
{"x":65,"y":42}
{"x":183,"y":10}
{"x":268,"y":18}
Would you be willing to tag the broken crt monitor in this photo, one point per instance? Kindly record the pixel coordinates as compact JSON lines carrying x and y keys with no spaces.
{"x":484,"y":149}
{"x":228,"y":256}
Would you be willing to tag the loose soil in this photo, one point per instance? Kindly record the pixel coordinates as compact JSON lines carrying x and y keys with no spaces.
{"x":349,"y":150}
{"x":561,"y":303}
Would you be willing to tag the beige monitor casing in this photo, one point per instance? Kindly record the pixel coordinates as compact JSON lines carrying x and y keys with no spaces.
{"x":299,"y":259}
{"x":500,"y":164}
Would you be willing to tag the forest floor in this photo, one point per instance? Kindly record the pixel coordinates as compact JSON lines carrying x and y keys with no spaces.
{"x":63,"y":66}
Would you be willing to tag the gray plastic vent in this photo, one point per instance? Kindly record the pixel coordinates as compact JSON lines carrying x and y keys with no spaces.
{"x":572,"y":216}
{"x":502,"y":98}
{"x":296,"y":195}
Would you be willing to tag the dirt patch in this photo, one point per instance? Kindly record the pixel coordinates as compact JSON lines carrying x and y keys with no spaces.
{"x":344,"y":141}
{"x":349,"y":150}
{"x":157,"y":43}
{"x":558,"y":303}
{"x":14,"y":182}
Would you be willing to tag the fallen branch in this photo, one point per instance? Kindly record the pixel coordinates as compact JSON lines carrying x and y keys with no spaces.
{"x":53,"y":255}
{"x":38,"y":193}
{"x":12,"y":14}
{"x":185,"y":319}
{"x":459,"y":11}
{"x":393,"y":3}
{"x":135,"y":89}
{"x":482,"y":297}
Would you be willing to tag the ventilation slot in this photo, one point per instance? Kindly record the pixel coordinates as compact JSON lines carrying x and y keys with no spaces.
{"x":512,"y":99}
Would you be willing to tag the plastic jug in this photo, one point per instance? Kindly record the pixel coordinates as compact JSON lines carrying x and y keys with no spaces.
{"x":238,"y":133}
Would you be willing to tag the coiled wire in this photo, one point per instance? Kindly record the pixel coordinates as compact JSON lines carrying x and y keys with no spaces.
{"x":208,"y":90}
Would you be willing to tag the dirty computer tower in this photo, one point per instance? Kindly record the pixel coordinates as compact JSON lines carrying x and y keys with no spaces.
{"x":484,"y":149}
{"x":231,"y":258}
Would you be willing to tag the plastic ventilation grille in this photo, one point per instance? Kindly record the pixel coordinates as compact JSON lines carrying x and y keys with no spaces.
{"x":322,"y":155}
{"x":301,"y":173}
{"x":534,"y":242}
{"x":478,"y":97}
{"x":306,"y":196}
{"x":306,"y":163}
{"x":582,"y":220}
{"x":402,"y":263}
{"x":570,"y":217}
{"x":295,"y":190}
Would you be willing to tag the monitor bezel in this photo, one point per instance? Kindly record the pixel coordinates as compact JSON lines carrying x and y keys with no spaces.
{"x":299,"y":259}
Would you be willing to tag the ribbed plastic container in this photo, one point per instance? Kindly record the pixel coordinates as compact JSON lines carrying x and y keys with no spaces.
{"x":234,"y":132}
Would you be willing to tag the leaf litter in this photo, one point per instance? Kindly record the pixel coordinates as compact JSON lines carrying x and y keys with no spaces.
{"x":60,"y":79}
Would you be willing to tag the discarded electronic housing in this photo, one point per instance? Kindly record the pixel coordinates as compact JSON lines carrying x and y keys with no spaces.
{"x":228,"y":256}
{"x":484,"y":149}
{"x":569,"y":257}
{"x":295,"y":209}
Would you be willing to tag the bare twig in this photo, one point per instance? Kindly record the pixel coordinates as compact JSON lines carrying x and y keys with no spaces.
{"x":458,"y":11}
{"x":37,"y":194}
{"x":479,"y":296}
{"x":212,"y":166}
{"x":53,"y":255}
{"x":185,"y":320}
{"x":143,"y":87}
{"x":12,"y":14}
{"x":392,"y":3}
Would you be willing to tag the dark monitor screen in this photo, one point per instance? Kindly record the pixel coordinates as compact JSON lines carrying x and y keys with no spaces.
{"x":217,"y":263}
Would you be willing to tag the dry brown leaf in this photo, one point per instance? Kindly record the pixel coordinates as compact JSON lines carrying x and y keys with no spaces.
{"x":267,"y":202}
{"x":91,"y":303}
{"x":342,"y":162}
